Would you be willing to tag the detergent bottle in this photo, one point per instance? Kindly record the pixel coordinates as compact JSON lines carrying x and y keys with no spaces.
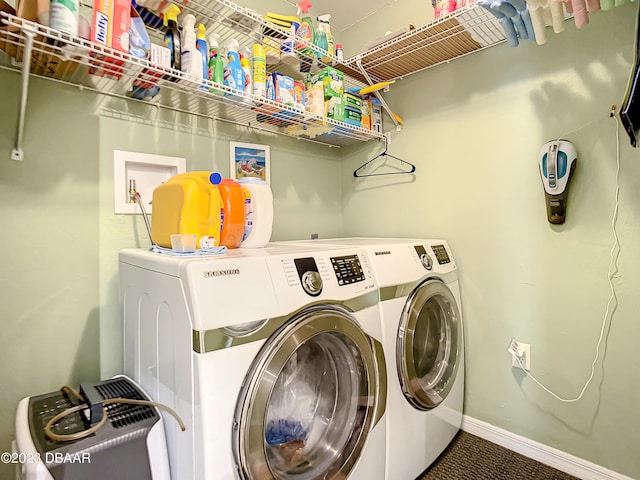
{"x":307,"y":33}
{"x":172,"y":35}
{"x":258,"y":212}
{"x":187,"y":203}
{"x":232,"y":212}
{"x":201,"y":46}
{"x":216,"y":65}
{"x":233,"y":73}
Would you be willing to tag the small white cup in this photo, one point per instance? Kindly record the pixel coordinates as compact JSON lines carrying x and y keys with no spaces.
{"x":183,"y":242}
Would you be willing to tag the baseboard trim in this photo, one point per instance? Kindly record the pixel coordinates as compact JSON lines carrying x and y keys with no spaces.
{"x":542,"y":453}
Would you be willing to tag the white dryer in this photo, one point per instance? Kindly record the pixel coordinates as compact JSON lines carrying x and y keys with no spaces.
{"x":272,"y":357}
{"x":424,"y":347}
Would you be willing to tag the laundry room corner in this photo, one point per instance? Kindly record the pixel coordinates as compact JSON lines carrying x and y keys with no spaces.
{"x":306,"y":190}
{"x":475,"y":140}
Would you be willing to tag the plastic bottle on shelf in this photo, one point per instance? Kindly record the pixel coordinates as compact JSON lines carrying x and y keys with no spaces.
{"x":259,"y":71}
{"x":216,"y":64}
{"x":331,"y":46}
{"x":258,"y":208}
{"x":202,"y":47}
{"x":191,"y":57}
{"x":320,"y":40}
{"x":307,"y":33}
{"x":172,"y":35}
{"x":245,"y":63}
{"x":288,"y":53}
{"x":64,"y":16}
{"x":339,"y":52}
{"x":233,"y":73}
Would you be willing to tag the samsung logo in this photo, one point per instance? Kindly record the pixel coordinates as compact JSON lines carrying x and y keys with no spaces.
{"x":384,"y":252}
{"x":222,"y":273}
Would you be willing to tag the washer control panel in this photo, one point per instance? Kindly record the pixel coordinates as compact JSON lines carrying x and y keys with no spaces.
{"x":441,"y":254}
{"x":424,"y":257}
{"x":338,"y":274}
{"x":309,"y":275}
{"x":348,"y":269}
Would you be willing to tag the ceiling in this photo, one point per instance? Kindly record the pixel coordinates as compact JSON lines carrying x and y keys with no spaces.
{"x":344,"y":13}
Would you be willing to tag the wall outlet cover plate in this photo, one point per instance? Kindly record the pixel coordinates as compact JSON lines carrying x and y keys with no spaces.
{"x":148,"y":171}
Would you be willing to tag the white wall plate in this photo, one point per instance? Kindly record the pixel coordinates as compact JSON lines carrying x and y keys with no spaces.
{"x":148,"y":171}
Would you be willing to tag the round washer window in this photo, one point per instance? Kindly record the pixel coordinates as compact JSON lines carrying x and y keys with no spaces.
{"x":428,"y":344}
{"x":308,"y":401}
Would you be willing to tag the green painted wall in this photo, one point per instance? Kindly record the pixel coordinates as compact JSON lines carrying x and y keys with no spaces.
{"x":475,"y":139}
{"x":49,"y":250}
{"x":474,"y":129}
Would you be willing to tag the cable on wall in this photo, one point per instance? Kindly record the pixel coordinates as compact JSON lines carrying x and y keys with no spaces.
{"x":612,"y":271}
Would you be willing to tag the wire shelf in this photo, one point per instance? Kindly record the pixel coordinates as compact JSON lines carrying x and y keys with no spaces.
{"x":76,"y":61}
{"x":464,"y":31}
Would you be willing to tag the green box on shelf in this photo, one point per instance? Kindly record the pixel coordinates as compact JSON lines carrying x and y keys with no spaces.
{"x":352,"y":117}
{"x":335,"y":108}
{"x":352,"y":101}
{"x":332,"y":80}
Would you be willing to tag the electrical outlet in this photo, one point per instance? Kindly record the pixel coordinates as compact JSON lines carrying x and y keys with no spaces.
{"x":520,"y":355}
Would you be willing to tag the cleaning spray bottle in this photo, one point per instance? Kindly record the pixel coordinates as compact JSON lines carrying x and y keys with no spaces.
{"x":191,"y":58}
{"x":216,"y":64}
{"x":331,"y":46}
{"x":172,"y":35}
{"x":201,"y":45}
{"x":233,"y":73}
{"x":320,"y":41}
{"x":307,"y":33}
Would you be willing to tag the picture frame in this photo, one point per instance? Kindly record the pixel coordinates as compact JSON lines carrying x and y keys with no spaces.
{"x":250,"y":160}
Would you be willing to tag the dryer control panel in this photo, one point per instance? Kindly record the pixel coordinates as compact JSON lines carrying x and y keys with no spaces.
{"x":441,"y":254}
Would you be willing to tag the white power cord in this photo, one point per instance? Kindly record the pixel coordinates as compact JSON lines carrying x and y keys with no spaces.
{"x":611,"y":273}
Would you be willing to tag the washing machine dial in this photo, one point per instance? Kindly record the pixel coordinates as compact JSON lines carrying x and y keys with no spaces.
{"x":426,"y":261}
{"x":312,"y":283}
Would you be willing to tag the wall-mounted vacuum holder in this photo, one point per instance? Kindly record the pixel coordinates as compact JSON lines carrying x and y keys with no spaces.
{"x":557,"y":162}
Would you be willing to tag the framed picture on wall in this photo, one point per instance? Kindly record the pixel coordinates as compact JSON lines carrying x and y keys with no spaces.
{"x":250,"y":160}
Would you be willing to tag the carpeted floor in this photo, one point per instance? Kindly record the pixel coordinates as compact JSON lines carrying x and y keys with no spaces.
{"x":472,"y":458}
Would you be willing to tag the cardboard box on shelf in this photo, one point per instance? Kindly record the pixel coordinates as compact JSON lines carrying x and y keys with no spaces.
{"x":110,"y":28}
{"x":334,"y":108}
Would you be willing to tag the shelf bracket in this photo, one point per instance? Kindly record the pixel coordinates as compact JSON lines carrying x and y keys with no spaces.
{"x":17,"y":153}
{"x":377,"y":94}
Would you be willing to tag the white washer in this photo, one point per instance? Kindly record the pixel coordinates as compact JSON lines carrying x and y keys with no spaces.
{"x":272,"y":357}
{"x":424,"y":347}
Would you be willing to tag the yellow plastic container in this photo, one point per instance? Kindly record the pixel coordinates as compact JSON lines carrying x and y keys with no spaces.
{"x":187,"y":203}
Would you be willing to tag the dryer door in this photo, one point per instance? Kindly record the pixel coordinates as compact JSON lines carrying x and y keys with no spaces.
{"x":429,"y":344}
{"x":309,"y":400}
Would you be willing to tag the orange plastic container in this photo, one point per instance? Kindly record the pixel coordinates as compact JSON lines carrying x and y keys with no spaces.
{"x":187,"y":203}
{"x":232,"y":213}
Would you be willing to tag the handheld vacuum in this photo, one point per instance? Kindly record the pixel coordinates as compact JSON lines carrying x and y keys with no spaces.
{"x":557,"y":162}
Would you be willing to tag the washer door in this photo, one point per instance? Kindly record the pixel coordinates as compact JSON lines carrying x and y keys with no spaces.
{"x":428,"y":347}
{"x":309,"y":400}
